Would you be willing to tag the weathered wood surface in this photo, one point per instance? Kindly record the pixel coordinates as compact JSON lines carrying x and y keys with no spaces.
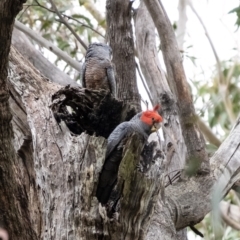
{"x":66,"y":166}
{"x":95,"y":112}
{"x":14,"y":214}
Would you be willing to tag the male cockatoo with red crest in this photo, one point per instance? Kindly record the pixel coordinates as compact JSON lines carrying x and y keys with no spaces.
{"x":143,"y":123}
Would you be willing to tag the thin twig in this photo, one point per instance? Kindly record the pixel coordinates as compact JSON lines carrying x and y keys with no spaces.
{"x":42,"y":41}
{"x":207,"y":132}
{"x":227,"y":219}
{"x":67,"y":25}
{"x":69,"y":17}
{"x":24,"y":11}
{"x":144,"y":84}
{"x":221,"y":77}
{"x":227,"y":103}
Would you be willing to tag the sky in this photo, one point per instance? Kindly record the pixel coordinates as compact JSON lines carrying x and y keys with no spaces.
{"x":223,"y":33}
{"x":220,"y":26}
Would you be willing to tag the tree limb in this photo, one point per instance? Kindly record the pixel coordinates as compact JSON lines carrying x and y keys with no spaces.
{"x":207,"y":132}
{"x":120,"y":38}
{"x":187,"y":202}
{"x":21,"y":42}
{"x":42,"y":41}
{"x":230,"y":214}
{"x":91,"y":7}
{"x":158,"y":85}
{"x":197,"y":156}
{"x":67,"y":25}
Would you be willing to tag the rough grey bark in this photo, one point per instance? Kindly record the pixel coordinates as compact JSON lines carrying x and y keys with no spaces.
{"x":120,"y":38}
{"x":14,"y":205}
{"x":58,"y":157}
{"x":62,"y":171}
{"x":70,"y":164}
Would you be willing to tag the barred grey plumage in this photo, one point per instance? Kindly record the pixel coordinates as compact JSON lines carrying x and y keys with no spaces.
{"x":98,"y":72}
{"x":116,"y":142}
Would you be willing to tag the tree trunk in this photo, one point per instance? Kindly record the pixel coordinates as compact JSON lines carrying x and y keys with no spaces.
{"x":48,"y":188}
{"x":197,"y":158}
{"x":120,"y":37}
{"x":69,"y":163}
{"x":14,"y":205}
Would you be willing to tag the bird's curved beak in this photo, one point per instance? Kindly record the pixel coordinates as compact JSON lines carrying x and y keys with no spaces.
{"x":155,"y":127}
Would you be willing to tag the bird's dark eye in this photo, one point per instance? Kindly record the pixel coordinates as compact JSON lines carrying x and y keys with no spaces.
{"x":153,"y":119}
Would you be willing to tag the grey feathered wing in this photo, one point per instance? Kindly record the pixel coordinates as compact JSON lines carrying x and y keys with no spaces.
{"x":108,"y":176}
{"x":112,"y":81}
{"x":83,"y":75}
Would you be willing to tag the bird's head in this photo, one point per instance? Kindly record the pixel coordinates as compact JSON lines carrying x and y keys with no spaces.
{"x":152,"y":118}
{"x":99,"y":50}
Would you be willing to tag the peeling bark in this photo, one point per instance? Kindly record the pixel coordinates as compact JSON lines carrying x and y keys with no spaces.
{"x":93,"y":111}
{"x":69,"y":163}
{"x":14,"y":205}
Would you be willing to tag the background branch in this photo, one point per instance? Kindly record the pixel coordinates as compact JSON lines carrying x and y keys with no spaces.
{"x":207,"y":132}
{"x":67,"y":25}
{"x":193,"y":138}
{"x":68,"y":17}
{"x":91,"y":7}
{"x":182,"y":23}
{"x":21,"y":42}
{"x":42,"y":41}
{"x":223,"y":85}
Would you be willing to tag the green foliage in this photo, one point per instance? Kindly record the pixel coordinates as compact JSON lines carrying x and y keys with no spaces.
{"x":214,"y":93}
{"x":205,"y":227}
{"x":228,"y":233}
{"x":40,"y":17}
{"x":237,"y":12}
